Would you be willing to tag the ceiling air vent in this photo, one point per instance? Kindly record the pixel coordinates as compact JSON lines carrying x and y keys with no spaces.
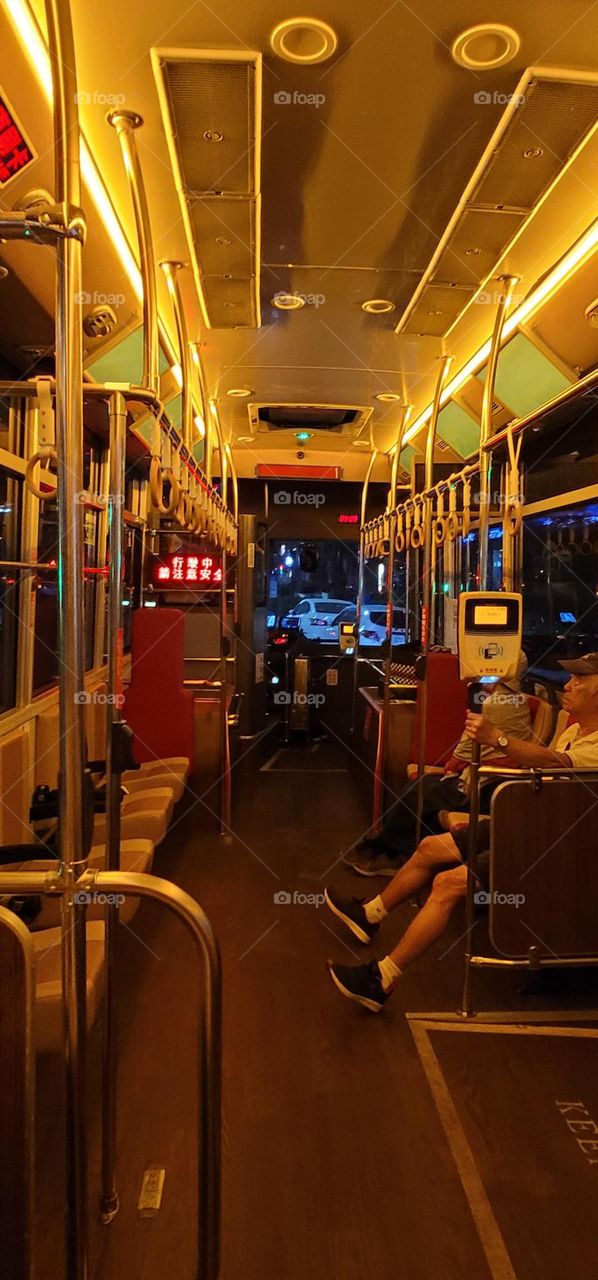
{"x":211,"y":108}
{"x":341,"y":420}
{"x":550,"y":116}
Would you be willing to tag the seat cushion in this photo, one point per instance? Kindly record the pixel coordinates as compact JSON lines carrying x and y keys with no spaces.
{"x":48,"y":1025}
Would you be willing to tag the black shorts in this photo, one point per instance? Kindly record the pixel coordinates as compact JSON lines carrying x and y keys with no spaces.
{"x":461,"y":837}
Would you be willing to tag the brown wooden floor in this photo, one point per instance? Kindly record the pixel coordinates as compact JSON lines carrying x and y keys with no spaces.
{"x":335,"y":1160}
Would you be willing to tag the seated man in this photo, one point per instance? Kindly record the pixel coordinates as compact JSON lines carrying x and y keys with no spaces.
{"x":439,"y":860}
{"x":506,"y":708}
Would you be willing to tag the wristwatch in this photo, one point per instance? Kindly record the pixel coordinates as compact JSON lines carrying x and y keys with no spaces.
{"x":502,"y":741}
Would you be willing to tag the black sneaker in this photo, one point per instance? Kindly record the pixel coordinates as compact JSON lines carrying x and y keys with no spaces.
{"x":362,"y":984}
{"x":376,"y":864}
{"x":363,"y":849}
{"x":351,"y":912}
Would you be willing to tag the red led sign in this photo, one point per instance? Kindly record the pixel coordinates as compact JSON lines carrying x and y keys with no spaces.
{"x":346,"y":518}
{"x":176,"y":571}
{"x":15,"y":152}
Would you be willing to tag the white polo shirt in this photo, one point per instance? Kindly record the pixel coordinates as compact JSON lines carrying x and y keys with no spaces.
{"x":581,"y":749}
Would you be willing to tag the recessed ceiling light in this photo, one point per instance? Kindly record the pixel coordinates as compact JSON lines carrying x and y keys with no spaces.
{"x":244,"y":439}
{"x":491,"y":44}
{"x":239,"y":393}
{"x":213,"y":135}
{"x":288,"y":301}
{"x":361,"y":444}
{"x":469,"y":252}
{"x":223,"y":240}
{"x":303,"y":436}
{"x":3,"y":273}
{"x":388,"y":397}
{"x":304,"y":40}
{"x":533,"y":153}
{"x":378,"y":306}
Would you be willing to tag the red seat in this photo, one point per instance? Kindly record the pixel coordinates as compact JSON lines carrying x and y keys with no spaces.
{"x":446,"y":710}
{"x":157,"y":706}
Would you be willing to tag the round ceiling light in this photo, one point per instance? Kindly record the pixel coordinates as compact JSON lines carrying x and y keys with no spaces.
{"x":288,"y":301}
{"x":361,"y":444}
{"x":304,"y":40}
{"x":239,"y":393}
{"x":378,"y":306}
{"x":245,"y":440}
{"x":389,"y":397}
{"x":489,"y":45}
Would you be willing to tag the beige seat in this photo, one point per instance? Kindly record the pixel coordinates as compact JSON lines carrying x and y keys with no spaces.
{"x":135,"y":855}
{"x":48,"y":1017}
{"x":171,"y":772}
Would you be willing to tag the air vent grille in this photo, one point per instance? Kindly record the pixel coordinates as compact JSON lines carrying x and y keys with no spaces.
{"x":548,"y":119}
{"x":211,"y":107}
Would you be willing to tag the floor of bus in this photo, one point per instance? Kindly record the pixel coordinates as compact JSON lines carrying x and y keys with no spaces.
{"x":343,"y":1152}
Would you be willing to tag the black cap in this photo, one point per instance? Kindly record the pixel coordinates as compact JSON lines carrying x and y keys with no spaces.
{"x":586,"y":666}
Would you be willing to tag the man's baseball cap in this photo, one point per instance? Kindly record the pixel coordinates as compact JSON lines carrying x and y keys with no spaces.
{"x":586,"y":666}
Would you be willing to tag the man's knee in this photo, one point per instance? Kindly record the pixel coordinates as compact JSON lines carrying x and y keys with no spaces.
{"x":449,"y":886}
{"x":435,"y":849}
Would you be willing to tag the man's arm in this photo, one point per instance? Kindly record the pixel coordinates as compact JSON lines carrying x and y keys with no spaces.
{"x":528,"y":754}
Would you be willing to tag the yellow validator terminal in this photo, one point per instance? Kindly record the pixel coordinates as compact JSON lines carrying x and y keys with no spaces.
{"x":489,"y":634}
{"x":346,"y":637}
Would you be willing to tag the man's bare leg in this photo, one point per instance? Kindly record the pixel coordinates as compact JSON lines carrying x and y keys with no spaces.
{"x":431,"y":853}
{"x":431,"y":921}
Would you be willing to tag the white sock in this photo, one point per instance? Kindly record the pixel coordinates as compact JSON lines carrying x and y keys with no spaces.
{"x":375,"y":911}
{"x":389,"y":972}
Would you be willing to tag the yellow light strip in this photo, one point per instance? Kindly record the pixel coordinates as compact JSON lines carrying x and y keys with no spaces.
{"x":35,"y":47}
{"x":576,"y":255}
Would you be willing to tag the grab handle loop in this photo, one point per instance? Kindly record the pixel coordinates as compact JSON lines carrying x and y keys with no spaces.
{"x":453,"y":524}
{"x":440,"y":524}
{"x":513,"y":503}
{"x":400,"y":533}
{"x":466,"y":507}
{"x":418,"y":532}
{"x":46,"y":453}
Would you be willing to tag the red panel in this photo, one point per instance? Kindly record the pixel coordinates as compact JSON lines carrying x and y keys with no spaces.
{"x":282,"y":471}
{"x":446,"y":711}
{"x":157,"y":706}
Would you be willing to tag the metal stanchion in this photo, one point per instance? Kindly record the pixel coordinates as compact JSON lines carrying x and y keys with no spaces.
{"x":428,"y":582}
{"x":118,"y":431}
{"x":126,"y":123}
{"x":509,"y":283}
{"x":361,"y":580}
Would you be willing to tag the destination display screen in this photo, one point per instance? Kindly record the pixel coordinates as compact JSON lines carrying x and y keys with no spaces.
{"x":180,"y":571}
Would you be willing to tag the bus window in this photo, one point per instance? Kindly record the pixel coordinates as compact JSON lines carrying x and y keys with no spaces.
{"x":560,"y":581}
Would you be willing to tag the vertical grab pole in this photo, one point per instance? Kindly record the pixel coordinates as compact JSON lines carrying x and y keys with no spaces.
{"x":125,"y":123}
{"x":69,"y":444}
{"x":171,"y":271}
{"x":360,"y":580}
{"x":508,"y":283}
{"x":205,"y":409}
{"x":381,"y":763}
{"x":109,"y":1202}
{"x":428,"y":580}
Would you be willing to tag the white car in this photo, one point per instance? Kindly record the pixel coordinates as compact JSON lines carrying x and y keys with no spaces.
{"x":372,"y":630}
{"x":314,"y":617}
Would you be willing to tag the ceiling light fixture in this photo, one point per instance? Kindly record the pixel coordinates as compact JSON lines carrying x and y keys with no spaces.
{"x":378,"y":306}
{"x":388,"y":397}
{"x":304,"y":40}
{"x":488,"y":45}
{"x":288,"y":301}
{"x":239,"y":393}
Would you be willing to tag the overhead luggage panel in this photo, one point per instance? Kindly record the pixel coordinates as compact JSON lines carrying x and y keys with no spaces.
{"x":551,"y":115}
{"x":211,"y":108}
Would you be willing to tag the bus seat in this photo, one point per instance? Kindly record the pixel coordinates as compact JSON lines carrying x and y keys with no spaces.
{"x":48,"y":1019}
{"x":170,"y":773}
{"x":446,"y":711}
{"x":135,"y":855}
{"x":157,"y":706}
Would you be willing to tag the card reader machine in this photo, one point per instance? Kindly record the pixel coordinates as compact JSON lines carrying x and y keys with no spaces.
{"x":489,"y":634}
{"x":346,"y":637}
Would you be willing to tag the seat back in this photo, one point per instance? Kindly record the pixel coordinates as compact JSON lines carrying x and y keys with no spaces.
{"x":446,"y":709}
{"x":16,"y":785}
{"x":157,"y":706}
{"x":543,"y":855}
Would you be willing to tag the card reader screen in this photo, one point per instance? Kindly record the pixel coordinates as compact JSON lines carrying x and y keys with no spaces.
{"x":490,"y":615}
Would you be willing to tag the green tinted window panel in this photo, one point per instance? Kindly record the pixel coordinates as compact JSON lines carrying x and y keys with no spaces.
{"x":198,"y":451}
{"x":407,"y":456}
{"x":124,"y":362}
{"x":174,"y":409}
{"x":459,"y":429}
{"x":525,"y":377}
